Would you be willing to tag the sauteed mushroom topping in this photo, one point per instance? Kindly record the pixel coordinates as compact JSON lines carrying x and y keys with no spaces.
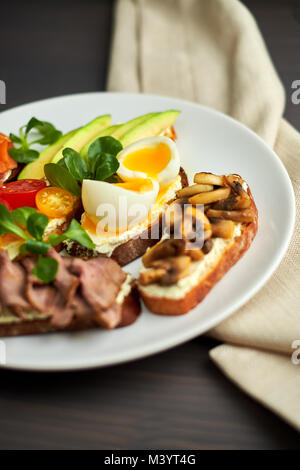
{"x":165,"y":249}
{"x":210,"y":196}
{"x":209,"y":178}
{"x":166,"y":271}
{"x":194,"y":189}
{"x":207,"y":209}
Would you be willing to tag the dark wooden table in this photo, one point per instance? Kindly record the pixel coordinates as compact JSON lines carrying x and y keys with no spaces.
{"x":177,"y":399}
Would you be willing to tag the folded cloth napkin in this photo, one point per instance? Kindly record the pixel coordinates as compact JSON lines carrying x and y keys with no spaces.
{"x":212,"y":52}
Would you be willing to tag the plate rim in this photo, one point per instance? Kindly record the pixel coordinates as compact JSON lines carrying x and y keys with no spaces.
{"x":167,"y":343}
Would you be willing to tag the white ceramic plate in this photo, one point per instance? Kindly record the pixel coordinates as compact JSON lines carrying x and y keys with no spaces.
{"x":207,"y":141}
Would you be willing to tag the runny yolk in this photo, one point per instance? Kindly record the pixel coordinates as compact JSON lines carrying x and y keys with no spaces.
{"x":136,"y":184}
{"x":149,"y":160}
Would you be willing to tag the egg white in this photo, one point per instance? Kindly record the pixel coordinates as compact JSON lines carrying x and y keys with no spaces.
{"x":117,"y":208}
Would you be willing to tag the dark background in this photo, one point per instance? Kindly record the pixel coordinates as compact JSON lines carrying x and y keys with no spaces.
{"x":174,"y":400}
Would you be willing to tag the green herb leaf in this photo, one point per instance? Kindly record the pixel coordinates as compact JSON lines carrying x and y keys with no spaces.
{"x":32,"y":123}
{"x":35,"y":246}
{"x":75,"y":164}
{"x":46,"y":269}
{"x":23,"y":155}
{"x":15,"y":139}
{"x":36,"y":224}
{"x":7,"y":224}
{"x":21,"y":214}
{"x":74,"y":232}
{"x":49,"y":138}
{"x":59,"y":176}
{"x":103,"y":145}
{"x":106,"y":166}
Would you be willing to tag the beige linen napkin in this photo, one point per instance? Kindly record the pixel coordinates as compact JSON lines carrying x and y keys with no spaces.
{"x":212,"y":52}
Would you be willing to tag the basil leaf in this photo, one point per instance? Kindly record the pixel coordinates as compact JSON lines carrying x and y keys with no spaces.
{"x":106,"y":166}
{"x":22,"y":155}
{"x":74,"y":232}
{"x":59,"y":176}
{"x":7,"y":224}
{"x":21,"y":214}
{"x":46,"y":269}
{"x":36,"y":224}
{"x":35,"y":246}
{"x":75,"y":164}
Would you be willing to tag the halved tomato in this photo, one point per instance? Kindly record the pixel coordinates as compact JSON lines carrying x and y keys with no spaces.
{"x":55,"y":202}
{"x":21,"y":193}
{"x":3,"y":201}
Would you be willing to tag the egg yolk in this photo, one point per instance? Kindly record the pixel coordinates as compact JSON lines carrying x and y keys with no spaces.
{"x":151,"y":160}
{"x":136,"y":184}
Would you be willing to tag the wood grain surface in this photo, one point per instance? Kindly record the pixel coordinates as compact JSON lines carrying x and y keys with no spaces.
{"x":177,"y":399}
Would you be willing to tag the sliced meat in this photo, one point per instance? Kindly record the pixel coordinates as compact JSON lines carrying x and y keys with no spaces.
{"x":100,"y":280}
{"x":12,"y":285}
{"x":65,"y":281}
{"x":109,"y":318}
{"x":61,"y":318}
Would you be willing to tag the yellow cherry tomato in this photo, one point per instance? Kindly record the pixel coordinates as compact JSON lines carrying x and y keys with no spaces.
{"x":55,"y":202}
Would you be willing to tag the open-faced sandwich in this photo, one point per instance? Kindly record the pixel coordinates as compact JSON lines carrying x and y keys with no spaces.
{"x":212,"y":224}
{"x":94,"y":200}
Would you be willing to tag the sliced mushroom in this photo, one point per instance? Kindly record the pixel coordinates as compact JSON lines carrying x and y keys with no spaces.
{"x":244,"y":216}
{"x":236,"y":183}
{"x":210,"y":196}
{"x":194,"y":252}
{"x":165,"y":249}
{"x":209,"y":178}
{"x":195,"y":224}
{"x":175,"y":268}
{"x":233,"y":202}
{"x":208,"y":244}
{"x":222,"y":228}
{"x":151,"y":276}
{"x":167,"y":271}
{"x":194,"y":189}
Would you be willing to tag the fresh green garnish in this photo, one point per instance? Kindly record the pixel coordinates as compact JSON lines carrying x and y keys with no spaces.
{"x":36,"y":223}
{"x":43,"y":133}
{"x":72,"y":169}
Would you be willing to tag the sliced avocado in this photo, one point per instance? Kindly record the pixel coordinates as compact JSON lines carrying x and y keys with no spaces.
{"x":107,"y":131}
{"x":35,"y":170}
{"x":83,"y":135}
{"x":152,"y":126}
{"x":117,"y":131}
{"x":124,"y":128}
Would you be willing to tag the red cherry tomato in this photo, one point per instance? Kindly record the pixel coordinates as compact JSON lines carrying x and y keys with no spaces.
{"x":21,"y":193}
{"x":2,"y":201}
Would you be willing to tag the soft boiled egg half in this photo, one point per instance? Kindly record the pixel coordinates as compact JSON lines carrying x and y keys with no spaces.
{"x":154,"y":157}
{"x":147,"y":169}
{"x":118,"y":206}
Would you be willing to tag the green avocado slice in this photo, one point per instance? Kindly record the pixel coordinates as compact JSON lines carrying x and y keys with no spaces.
{"x":35,"y":170}
{"x":152,"y":126}
{"x":84,"y":135}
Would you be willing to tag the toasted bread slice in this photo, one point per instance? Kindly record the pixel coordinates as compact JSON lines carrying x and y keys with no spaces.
{"x":180,"y":297}
{"x":130,"y":249}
